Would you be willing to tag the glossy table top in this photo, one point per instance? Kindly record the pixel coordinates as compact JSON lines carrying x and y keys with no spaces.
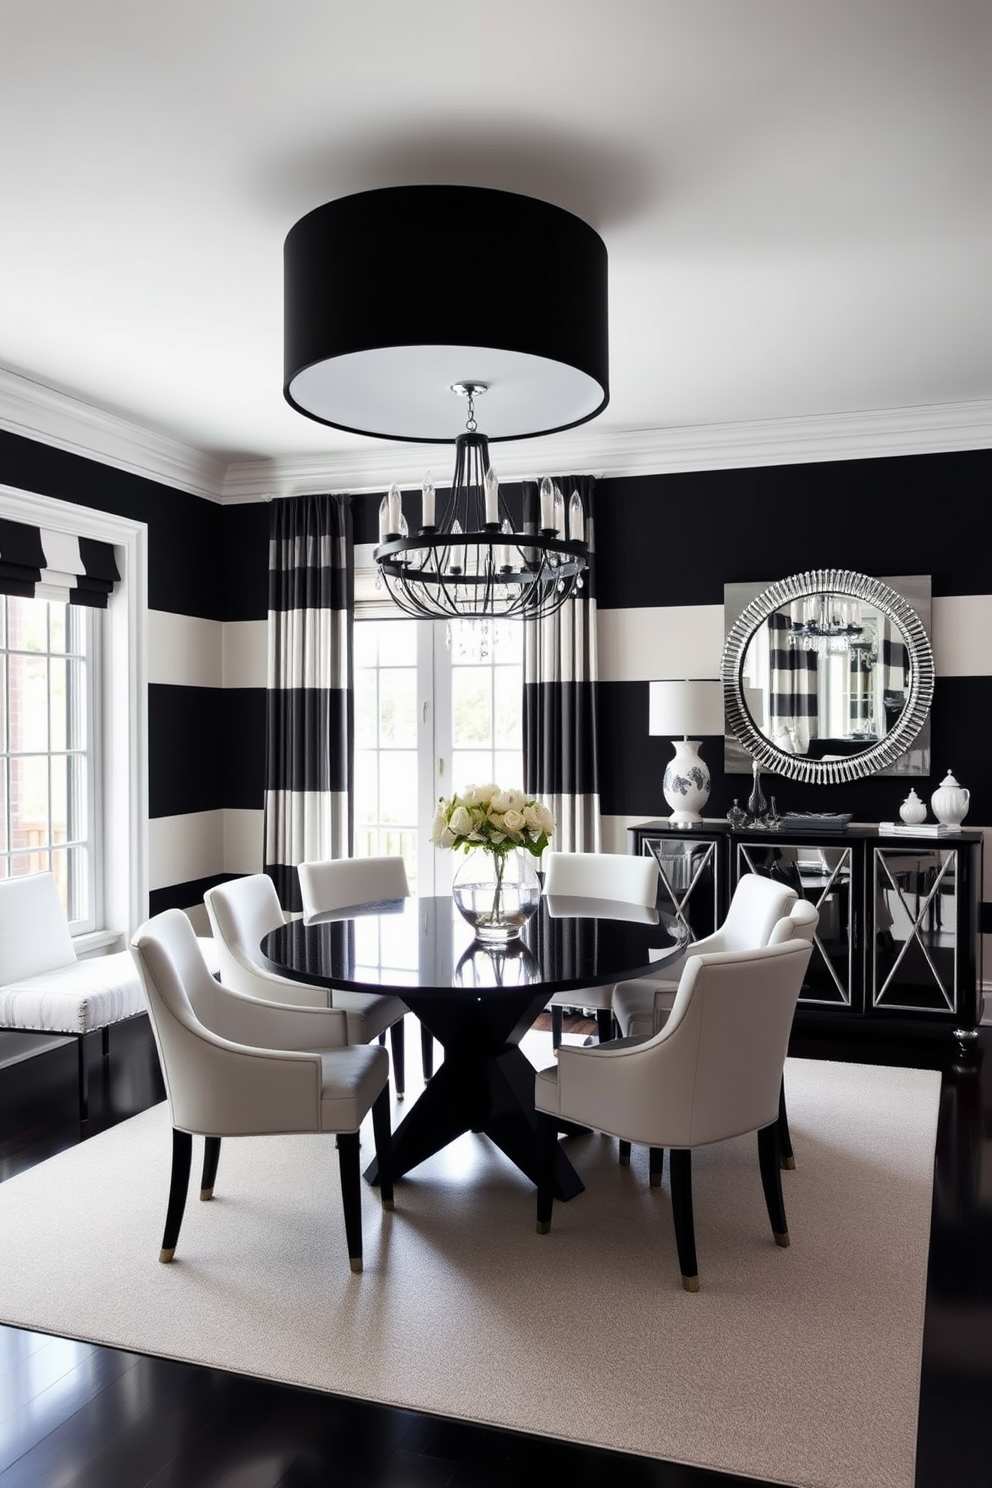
{"x":424,"y":943}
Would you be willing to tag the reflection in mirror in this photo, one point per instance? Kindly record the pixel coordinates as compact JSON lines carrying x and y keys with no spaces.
{"x":828,"y":677}
{"x":823,"y":875}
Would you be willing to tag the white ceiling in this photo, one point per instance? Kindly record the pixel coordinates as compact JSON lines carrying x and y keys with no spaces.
{"x":795,"y":196}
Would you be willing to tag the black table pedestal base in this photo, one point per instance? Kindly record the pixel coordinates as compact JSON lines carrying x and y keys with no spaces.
{"x":492,"y":1096}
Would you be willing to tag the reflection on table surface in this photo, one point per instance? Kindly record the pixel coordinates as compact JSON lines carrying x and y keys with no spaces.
{"x":424,"y":943}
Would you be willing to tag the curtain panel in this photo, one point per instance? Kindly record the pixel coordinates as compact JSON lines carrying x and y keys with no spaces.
{"x":309,"y":743}
{"x":37,"y":563}
{"x":561,"y":695}
{"x":793,"y":703}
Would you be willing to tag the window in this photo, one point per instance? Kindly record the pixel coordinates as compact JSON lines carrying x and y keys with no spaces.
{"x":437,"y":707}
{"x":105,"y":799}
{"x":49,"y":740}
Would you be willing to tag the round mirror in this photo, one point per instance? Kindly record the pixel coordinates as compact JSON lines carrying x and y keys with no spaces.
{"x":827,"y":676}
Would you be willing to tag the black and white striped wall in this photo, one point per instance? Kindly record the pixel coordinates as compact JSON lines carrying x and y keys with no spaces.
{"x":666,"y":546}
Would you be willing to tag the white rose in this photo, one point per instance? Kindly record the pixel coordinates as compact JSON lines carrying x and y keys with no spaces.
{"x":460,"y":822}
{"x":439,"y":825}
{"x":546,"y":821}
{"x":517,"y":800}
{"x":501,"y":801}
{"x":514,"y":821}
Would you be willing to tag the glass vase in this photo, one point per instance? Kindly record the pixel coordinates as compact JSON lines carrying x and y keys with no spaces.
{"x":496,"y":892}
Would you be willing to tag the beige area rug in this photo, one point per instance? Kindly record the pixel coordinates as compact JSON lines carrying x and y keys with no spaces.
{"x":800,"y":1365}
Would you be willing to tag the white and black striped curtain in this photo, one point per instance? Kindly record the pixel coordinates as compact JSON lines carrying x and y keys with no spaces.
{"x":793,"y":686}
{"x":37,"y":563}
{"x":309,"y":703}
{"x":561,"y":684}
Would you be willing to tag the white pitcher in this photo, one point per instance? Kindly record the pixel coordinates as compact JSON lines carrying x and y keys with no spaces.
{"x":950,"y":801}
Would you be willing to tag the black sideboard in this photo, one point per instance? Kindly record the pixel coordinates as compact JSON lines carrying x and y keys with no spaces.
{"x":898,"y":937}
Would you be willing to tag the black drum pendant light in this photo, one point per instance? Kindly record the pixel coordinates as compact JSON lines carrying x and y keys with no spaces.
{"x":396,"y":298}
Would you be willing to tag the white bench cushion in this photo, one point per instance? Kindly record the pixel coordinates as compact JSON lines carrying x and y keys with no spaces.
{"x":76,"y":998}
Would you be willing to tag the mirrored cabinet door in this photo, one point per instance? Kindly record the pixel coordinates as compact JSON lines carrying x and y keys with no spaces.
{"x":825,"y":876}
{"x":913,"y":961}
{"x":689,"y":871}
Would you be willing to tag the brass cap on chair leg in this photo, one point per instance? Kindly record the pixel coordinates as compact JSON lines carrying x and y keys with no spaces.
{"x":782,"y":1239}
{"x":165,"y":1256}
{"x":788,"y":1164}
{"x":544,"y":1226}
{"x":387,"y":1204}
{"x":355,"y":1262}
{"x":206,"y":1194}
{"x":691,"y":1283}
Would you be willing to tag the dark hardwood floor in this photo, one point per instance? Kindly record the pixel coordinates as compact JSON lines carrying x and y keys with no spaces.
{"x":80,"y":1416}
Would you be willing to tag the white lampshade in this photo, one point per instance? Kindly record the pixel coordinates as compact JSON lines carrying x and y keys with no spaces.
{"x":690,"y":709}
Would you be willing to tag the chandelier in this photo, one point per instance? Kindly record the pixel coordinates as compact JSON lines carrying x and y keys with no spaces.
{"x":471,"y":562}
{"x":391,"y":297}
{"x":828,"y":624}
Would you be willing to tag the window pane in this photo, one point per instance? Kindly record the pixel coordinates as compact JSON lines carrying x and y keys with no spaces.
{"x":29,"y":699}
{"x":471,"y":706}
{"x":28,"y":622}
{"x":58,"y":704}
{"x":29,"y":801}
{"x":366,"y":712}
{"x":398,"y":787}
{"x":366,"y":786}
{"x":4,"y":844}
{"x":57,"y":627}
{"x":398,"y":707}
{"x":508,"y":685}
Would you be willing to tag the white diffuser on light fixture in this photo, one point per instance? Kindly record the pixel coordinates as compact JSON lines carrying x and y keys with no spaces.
{"x":684,"y":708}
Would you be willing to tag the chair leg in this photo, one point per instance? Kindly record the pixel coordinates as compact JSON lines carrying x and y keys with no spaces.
{"x":604,"y":1024}
{"x":557,"y":1015}
{"x":83,"y":1070}
{"x":211,"y":1157}
{"x":351,"y":1195}
{"x":182,"y":1156}
{"x":397,"y":1043}
{"x":784,"y":1135}
{"x":771,"y":1181}
{"x":383,"y":1146}
{"x":685,"y":1235}
{"x":656,"y":1163}
{"x":547,"y":1150}
{"x":427,"y":1051}
{"x":624,"y":1153}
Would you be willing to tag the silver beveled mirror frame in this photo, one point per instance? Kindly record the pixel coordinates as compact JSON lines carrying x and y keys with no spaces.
{"x":854,"y":586}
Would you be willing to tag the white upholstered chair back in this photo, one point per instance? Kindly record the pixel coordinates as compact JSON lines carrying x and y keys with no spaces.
{"x":215,"y":1086}
{"x":34,"y":932}
{"x":757,"y":904}
{"x":241,"y":912}
{"x":714,"y":1070}
{"x":610,"y":876}
{"x":339,"y":883}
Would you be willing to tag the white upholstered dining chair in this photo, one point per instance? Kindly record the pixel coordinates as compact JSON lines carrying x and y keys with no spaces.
{"x":346,"y":883}
{"x":243,"y":911}
{"x":236,"y":1066}
{"x":615,"y":877}
{"x":641,"y":1005}
{"x":714,"y":1071}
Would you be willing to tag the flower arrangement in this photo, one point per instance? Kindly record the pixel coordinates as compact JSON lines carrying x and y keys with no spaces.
{"x":496,"y":820}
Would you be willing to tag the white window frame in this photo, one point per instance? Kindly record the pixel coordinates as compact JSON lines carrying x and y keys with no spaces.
{"x":121,"y":783}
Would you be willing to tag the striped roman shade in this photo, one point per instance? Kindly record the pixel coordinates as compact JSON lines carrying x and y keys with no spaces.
{"x":37,"y":563}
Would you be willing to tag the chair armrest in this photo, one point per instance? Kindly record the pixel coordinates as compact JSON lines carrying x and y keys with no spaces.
{"x":274,"y":1025}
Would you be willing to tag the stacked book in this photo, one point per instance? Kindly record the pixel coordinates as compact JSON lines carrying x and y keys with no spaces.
{"x":921,"y":829}
{"x":815,"y":821}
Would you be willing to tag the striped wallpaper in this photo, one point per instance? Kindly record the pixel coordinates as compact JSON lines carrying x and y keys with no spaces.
{"x":666,"y":546}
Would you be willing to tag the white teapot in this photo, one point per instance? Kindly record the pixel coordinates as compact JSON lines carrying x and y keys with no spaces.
{"x":950,"y":801}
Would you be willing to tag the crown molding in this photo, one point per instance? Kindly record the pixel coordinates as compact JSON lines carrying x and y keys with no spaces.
{"x":38,"y":412}
{"x":928,"y":429}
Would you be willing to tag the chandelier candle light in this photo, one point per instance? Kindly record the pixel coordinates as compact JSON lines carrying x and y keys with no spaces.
{"x":472,"y":563}
{"x":502,"y":832}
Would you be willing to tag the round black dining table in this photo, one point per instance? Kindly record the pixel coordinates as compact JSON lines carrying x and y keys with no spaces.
{"x":477,"y":1000}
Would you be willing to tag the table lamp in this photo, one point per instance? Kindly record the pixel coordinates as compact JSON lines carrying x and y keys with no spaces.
{"x":690,"y":707}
